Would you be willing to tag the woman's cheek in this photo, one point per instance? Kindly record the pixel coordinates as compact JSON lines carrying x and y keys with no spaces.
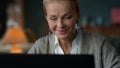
{"x":71,"y":24}
{"x":52,"y":27}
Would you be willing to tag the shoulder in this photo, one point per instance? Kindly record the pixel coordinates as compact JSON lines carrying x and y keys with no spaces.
{"x":94,"y":39}
{"x":94,"y":36}
{"x":45,"y":39}
{"x":41,"y":45}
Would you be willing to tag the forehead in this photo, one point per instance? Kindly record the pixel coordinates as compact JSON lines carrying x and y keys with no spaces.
{"x":64,"y":3}
{"x":59,"y":5}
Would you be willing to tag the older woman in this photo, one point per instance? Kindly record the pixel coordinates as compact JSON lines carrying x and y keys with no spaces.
{"x":66,"y":38}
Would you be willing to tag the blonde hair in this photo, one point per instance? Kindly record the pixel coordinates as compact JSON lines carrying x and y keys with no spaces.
{"x":76,"y":4}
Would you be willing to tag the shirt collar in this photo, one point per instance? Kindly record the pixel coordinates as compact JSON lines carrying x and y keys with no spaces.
{"x":58,"y":49}
{"x":75,"y":44}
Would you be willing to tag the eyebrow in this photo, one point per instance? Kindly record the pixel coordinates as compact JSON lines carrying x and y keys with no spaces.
{"x":52,"y":15}
{"x":69,"y":12}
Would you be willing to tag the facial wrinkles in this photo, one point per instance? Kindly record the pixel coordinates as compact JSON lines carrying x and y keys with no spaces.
{"x":57,"y":12}
{"x":57,"y":9}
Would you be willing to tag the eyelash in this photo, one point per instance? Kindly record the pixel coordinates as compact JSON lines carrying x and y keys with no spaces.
{"x":66,"y":17}
{"x":53,"y":18}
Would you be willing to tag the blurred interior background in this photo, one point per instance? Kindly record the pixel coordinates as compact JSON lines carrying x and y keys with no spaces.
{"x":22,"y":22}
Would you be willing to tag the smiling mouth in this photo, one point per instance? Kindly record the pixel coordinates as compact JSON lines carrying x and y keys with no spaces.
{"x":62,"y":32}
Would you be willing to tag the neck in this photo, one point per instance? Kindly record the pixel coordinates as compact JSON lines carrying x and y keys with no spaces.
{"x":70,"y":38}
{"x":66,"y":44}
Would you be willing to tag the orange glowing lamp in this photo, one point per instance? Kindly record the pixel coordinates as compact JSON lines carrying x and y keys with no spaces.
{"x":15,"y":36}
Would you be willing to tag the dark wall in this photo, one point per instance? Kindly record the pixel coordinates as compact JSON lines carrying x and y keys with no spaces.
{"x":35,"y":19}
{"x":3,"y":16}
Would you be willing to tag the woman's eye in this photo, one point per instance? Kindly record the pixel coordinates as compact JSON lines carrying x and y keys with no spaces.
{"x":53,"y":18}
{"x":68,"y":17}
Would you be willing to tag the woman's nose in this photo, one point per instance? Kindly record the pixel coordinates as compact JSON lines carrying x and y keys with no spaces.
{"x":60,"y":23}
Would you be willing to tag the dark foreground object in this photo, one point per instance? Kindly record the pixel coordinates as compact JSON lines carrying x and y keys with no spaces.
{"x":49,"y":61}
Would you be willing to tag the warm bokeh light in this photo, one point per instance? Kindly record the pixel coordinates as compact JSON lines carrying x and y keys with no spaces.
{"x":16,"y":49}
{"x":14,"y":35}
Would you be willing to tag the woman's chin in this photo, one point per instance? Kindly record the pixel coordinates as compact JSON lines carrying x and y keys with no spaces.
{"x":62,"y":36}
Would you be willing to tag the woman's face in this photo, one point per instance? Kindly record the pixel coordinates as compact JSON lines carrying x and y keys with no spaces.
{"x":61,"y":18}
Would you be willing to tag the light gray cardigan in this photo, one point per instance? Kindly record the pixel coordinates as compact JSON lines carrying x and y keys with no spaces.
{"x":97,"y":45}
